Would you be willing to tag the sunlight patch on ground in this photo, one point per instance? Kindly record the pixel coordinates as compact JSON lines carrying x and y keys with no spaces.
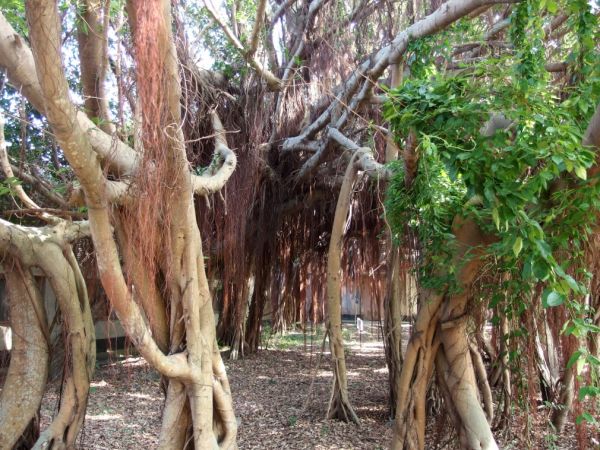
{"x":134,"y":361}
{"x":324,"y":374}
{"x":103,"y":416}
{"x":141,"y":396}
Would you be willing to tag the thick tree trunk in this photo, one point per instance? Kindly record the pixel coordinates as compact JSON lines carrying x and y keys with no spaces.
{"x":49,"y":249}
{"x":26,"y":378}
{"x":395,"y":297}
{"x":396,"y":289}
{"x":92,"y":35}
{"x":196,"y":362}
{"x":440,"y":326}
{"x":339,"y":404}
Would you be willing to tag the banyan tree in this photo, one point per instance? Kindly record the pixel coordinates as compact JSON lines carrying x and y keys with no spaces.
{"x":229,"y":161}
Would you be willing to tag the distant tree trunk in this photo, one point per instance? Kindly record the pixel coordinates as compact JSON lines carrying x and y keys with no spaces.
{"x":255,"y":314}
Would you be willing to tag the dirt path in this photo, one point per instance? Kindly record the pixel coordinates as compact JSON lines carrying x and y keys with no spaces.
{"x":270,"y":391}
{"x":270,"y":395}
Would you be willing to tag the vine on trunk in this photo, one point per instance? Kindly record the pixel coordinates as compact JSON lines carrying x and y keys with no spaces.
{"x":502,"y":144}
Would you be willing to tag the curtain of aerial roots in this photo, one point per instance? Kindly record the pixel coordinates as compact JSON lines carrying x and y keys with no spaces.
{"x":198,"y":408}
{"x":339,"y":404}
{"x":397,"y":297}
{"x":439,"y":340}
{"x":28,"y":371}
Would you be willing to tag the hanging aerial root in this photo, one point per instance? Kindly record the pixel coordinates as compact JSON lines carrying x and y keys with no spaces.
{"x":484,"y":385}
{"x":68,"y":286}
{"x":339,"y":404}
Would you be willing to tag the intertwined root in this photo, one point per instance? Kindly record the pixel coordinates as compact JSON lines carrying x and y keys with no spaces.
{"x":22,"y":396}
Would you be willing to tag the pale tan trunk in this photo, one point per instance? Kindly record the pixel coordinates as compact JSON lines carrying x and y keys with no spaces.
{"x":26,"y":378}
{"x":91,"y":39}
{"x":396,"y":289}
{"x":339,"y":404}
{"x":565,"y":400}
{"x":69,"y":288}
{"x":176,"y":420}
{"x":483,"y":382}
{"x":442,"y":319}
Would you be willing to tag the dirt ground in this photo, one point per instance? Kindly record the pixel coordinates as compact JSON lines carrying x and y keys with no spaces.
{"x":280,"y":399}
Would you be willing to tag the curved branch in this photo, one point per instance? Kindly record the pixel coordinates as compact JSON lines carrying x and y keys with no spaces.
{"x":7,"y":169}
{"x":365,"y":160}
{"x":40,"y":186}
{"x":209,"y":184}
{"x":279,"y":11}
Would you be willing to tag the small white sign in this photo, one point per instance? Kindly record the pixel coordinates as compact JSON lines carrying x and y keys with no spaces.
{"x":359,"y":324}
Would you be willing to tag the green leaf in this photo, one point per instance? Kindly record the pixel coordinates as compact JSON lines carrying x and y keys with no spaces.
{"x":588,"y":391}
{"x":496,"y":218}
{"x":574,"y":358}
{"x":585,"y":416}
{"x":540,"y":270}
{"x":551,"y":299}
{"x":572,"y":283}
{"x":569,"y":165}
{"x":544,"y":248}
{"x":517,"y":246}
{"x":581,"y":172}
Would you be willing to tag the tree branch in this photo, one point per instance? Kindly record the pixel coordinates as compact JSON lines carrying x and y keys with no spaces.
{"x":273,"y":82}
{"x":17,"y":59}
{"x":209,"y":184}
{"x":357,"y":89}
{"x":365,"y":160}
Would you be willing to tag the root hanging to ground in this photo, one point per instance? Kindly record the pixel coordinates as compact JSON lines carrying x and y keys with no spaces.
{"x":339,"y":403}
{"x":69,"y":287}
{"x":49,"y":249}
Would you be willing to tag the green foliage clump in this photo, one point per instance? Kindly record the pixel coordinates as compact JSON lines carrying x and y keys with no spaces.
{"x":515,"y":176}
